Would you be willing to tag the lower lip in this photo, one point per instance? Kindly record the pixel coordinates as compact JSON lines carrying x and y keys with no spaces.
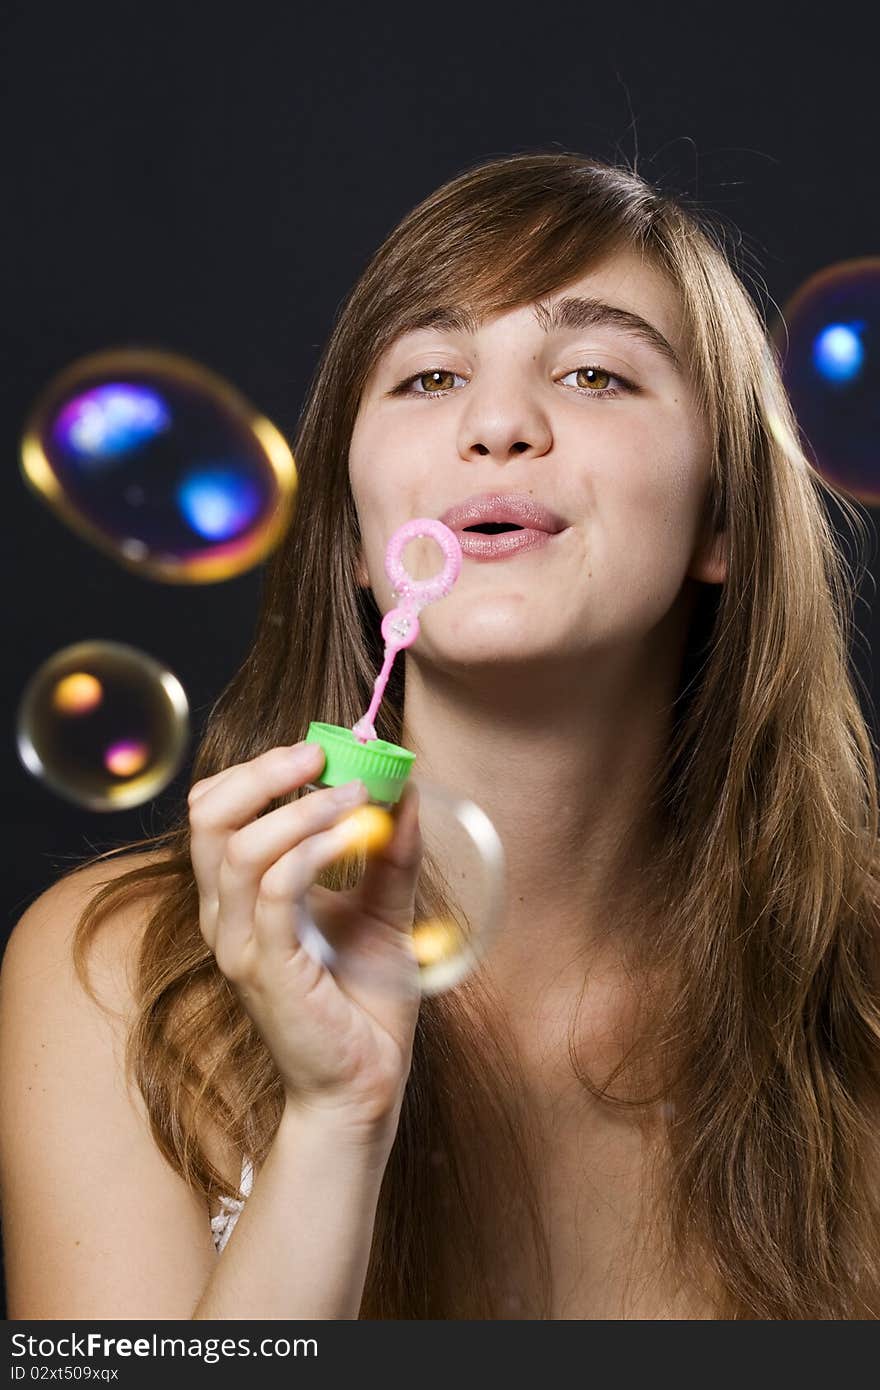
{"x":478,"y":546}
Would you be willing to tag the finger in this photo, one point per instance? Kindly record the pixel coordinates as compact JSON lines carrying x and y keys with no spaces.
{"x":199,"y":788}
{"x":205,"y":784}
{"x":284,"y":887}
{"x":388,"y":886}
{"x":253,"y":851}
{"x":238,"y":798}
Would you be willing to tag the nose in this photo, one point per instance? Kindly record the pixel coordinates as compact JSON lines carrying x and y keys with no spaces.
{"x":503,"y":421}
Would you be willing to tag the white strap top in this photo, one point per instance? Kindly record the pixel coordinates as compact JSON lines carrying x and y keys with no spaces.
{"x":222,"y":1225}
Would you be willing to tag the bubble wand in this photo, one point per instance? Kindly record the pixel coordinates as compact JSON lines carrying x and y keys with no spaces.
{"x":358,"y":752}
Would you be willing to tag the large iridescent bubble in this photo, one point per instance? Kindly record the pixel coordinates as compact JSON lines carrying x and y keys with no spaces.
{"x":104,"y":725}
{"x":828,"y":340}
{"x":160,"y":463}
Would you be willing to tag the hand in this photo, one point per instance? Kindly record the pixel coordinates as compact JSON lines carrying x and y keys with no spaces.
{"x":343,"y":1049}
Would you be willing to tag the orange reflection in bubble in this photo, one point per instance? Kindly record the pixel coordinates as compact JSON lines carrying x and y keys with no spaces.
{"x":78,"y":693}
{"x":436,"y":941}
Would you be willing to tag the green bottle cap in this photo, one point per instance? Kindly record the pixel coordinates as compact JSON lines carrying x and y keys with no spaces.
{"x":382,"y":767}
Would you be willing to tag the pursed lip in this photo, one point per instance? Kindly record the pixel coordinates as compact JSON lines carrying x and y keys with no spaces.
{"x":515,"y":507}
{"x":476,"y":546}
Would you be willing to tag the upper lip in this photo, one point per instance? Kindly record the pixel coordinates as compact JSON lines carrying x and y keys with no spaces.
{"x":516,"y":507}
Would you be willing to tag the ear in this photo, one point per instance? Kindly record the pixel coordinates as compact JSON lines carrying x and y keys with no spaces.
{"x":361,"y":574}
{"x":709,"y":562}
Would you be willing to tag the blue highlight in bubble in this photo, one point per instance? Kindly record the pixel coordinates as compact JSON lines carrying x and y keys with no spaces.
{"x":838,"y":351}
{"x":110,"y":420}
{"x":218,"y":501}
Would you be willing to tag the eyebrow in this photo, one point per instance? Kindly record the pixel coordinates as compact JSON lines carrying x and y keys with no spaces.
{"x":572,"y":312}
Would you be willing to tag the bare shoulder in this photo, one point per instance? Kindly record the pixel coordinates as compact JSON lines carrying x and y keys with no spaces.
{"x":46,"y":928}
{"x":38,"y":955}
{"x":95,"y":1221}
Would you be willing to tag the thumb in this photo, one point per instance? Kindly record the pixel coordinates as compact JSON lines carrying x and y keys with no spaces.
{"x":388,"y":885}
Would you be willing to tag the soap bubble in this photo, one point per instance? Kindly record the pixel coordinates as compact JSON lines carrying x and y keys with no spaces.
{"x":103,"y":725}
{"x":457,"y":837}
{"x":830,"y":359}
{"x":161,"y":464}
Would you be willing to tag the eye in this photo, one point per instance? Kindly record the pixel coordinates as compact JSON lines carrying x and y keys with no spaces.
{"x":595,"y":376}
{"x":434,"y":375}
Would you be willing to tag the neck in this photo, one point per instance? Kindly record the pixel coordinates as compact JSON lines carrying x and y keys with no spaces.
{"x":564,"y":766}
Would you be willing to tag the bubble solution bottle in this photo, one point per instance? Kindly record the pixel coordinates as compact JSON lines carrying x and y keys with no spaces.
{"x":382,"y":767}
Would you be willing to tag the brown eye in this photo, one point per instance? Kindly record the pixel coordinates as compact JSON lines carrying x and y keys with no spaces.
{"x":433,"y":382}
{"x":596,"y":382}
{"x":593,"y":377}
{"x":436,"y":381}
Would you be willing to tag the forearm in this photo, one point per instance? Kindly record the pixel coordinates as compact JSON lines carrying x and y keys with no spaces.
{"x":301,"y":1244}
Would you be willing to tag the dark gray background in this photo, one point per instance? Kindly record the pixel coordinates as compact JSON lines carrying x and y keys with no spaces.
{"x":214,"y":181}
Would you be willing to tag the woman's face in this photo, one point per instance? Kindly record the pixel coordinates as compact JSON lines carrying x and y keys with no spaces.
{"x":626,"y":471}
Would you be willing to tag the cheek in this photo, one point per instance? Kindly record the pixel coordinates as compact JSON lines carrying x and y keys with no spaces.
{"x":358,"y":476}
{"x":653,"y":493}
{"x":371,"y":458}
{"x":356,"y":458}
{"x":385,"y":488}
{"x":365,"y":478}
{"x":392,"y":479}
{"x":663,"y":469}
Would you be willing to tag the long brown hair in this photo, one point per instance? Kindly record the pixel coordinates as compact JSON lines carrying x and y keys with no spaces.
{"x":764,"y":885}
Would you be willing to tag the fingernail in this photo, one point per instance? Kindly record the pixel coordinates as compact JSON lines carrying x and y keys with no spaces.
{"x":349,"y":793}
{"x":302,"y":754}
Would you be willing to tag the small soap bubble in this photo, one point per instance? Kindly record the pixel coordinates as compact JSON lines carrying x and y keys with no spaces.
{"x":464,"y":854}
{"x":828,"y":342}
{"x":104,"y":725}
{"x":160,"y":463}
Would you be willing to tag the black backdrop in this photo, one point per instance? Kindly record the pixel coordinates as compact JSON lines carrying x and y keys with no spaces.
{"x":213,"y":182}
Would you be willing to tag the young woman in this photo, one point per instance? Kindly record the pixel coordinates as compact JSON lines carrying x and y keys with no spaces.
{"x":658,"y":1097}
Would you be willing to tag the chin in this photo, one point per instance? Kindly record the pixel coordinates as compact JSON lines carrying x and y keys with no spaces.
{"x":488,"y":642}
